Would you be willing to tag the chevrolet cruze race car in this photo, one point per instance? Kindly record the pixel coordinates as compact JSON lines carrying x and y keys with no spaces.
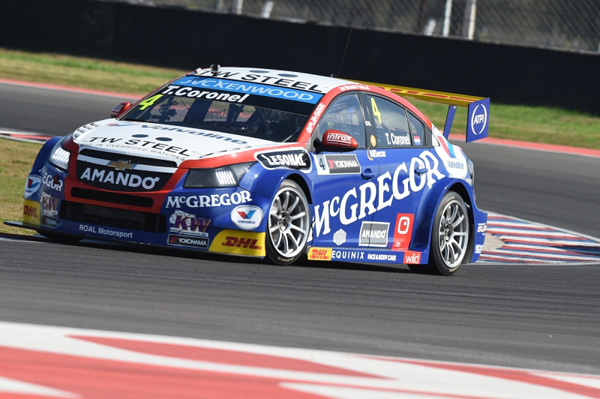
{"x":271,"y":164}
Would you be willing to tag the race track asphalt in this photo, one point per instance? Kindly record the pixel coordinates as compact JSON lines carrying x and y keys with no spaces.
{"x":539,"y":316}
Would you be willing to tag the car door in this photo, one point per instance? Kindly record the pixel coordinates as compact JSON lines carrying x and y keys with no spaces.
{"x":399,"y":142}
{"x":343,"y":193}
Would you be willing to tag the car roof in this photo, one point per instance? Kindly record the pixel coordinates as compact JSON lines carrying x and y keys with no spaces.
{"x":276,"y":77}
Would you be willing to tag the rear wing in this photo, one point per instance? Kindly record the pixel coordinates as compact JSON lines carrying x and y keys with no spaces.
{"x":478,"y":113}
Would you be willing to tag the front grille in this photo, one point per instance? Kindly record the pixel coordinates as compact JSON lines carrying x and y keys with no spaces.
{"x":113,"y":198}
{"x":121,"y":172}
{"x":112,"y":217}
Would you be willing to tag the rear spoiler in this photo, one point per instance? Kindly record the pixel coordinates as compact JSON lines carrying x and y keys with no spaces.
{"x":478,"y":114}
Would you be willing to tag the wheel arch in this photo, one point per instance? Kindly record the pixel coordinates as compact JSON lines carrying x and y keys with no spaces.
{"x":460,"y":188}
{"x":300,"y":180}
{"x":275,"y":178}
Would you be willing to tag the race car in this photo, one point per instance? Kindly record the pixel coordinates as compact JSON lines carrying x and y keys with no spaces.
{"x":271,"y":164}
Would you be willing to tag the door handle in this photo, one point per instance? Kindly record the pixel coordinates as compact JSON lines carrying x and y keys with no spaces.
{"x":368,"y":174}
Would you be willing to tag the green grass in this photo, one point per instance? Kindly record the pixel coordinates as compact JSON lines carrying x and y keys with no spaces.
{"x":83,"y":72}
{"x":16,"y":159}
{"x":528,"y":123}
{"x":535,"y":124}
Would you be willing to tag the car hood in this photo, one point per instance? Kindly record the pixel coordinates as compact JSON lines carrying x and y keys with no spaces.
{"x":168,"y":142}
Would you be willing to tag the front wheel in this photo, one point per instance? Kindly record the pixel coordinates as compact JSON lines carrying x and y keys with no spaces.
{"x":288,"y":225}
{"x":450,"y":235}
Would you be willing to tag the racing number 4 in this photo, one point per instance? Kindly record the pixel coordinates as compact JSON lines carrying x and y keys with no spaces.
{"x":376,"y":110}
{"x":149,"y":101}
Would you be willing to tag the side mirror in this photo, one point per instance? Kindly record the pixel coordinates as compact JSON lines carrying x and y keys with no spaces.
{"x":334,"y":140}
{"x":120,"y":109}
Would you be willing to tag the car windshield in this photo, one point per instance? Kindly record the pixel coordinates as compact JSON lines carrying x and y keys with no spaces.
{"x":261,"y":111}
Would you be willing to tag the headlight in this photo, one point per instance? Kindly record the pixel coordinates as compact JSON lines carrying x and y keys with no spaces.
{"x":226,"y":176}
{"x":59,"y":157}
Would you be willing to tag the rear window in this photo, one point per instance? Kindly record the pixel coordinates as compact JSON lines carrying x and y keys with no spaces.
{"x":247,"y":109}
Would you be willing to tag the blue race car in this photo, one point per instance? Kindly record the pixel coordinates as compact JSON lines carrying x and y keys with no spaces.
{"x":270,"y":164}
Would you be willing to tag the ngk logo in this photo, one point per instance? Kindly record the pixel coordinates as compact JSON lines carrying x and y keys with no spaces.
{"x":319,"y":254}
{"x":403,"y":231}
{"x":240,"y":242}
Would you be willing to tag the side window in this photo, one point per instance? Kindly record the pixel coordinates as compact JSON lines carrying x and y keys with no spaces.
{"x":390,"y":123}
{"x":417,"y":130}
{"x":344,"y":114}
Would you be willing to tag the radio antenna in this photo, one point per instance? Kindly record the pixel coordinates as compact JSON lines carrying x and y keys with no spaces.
{"x":344,"y":55}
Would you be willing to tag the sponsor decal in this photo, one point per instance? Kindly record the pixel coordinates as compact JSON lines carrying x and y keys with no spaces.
{"x":339,"y":237}
{"x":319,"y":254}
{"x":31,"y":212}
{"x":456,"y":164}
{"x":247,"y":217}
{"x":293,"y":159}
{"x":382,"y":257}
{"x":315,"y":118}
{"x":397,"y":140}
{"x":372,"y":154}
{"x":354,"y":87}
{"x":347,"y":255}
{"x":239,"y":243}
{"x":32,"y":185}
{"x":252,"y":86}
{"x":139,"y":143}
{"x":52,"y":181}
{"x":49,"y":205}
{"x":374,"y":234}
{"x":478,"y":119}
{"x":185,"y":223}
{"x":49,"y":221}
{"x":118,"y":108}
{"x":232,"y":139}
{"x":191,"y":92}
{"x":403,"y":231}
{"x":263,"y":77}
{"x":482,"y":227}
{"x":208,"y":201}
{"x":103,"y":231}
{"x":412,"y":258}
{"x":372,"y":139}
{"x":478,"y":248}
{"x":339,"y":139}
{"x":187,"y":241}
{"x":120,"y":124}
{"x":342,"y":163}
{"x":118,"y":180}
{"x":359,"y":202}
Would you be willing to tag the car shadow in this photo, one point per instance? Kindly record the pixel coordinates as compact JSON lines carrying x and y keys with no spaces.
{"x":191,"y":254}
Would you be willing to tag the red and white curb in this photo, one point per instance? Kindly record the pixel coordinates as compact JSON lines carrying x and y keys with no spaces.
{"x":513,"y":240}
{"x":24,"y":136}
{"x":55,"y":362}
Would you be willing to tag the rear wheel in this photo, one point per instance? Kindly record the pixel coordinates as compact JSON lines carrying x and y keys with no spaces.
{"x":450,"y":236}
{"x":288,"y":225}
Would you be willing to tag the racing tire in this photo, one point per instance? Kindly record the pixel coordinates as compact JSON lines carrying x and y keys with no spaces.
{"x":449,"y":236}
{"x":288,"y":225}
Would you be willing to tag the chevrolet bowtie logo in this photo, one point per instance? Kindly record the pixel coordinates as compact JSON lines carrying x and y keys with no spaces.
{"x":121,"y":165}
